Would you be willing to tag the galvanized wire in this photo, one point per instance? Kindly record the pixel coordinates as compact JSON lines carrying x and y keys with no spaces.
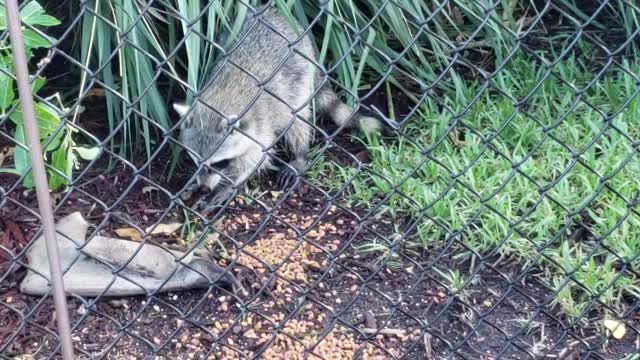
{"x":492,"y":309}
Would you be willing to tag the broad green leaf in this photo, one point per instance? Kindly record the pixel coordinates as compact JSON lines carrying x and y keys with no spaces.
{"x":6,"y":61}
{"x":28,"y":53}
{"x":50,"y":144}
{"x":43,"y":20}
{"x":87,"y":153}
{"x":49,"y":120}
{"x":47,"y":117}
{"x":7,"y":94}
{"x":21,"y":157}
{"x":50,"y":114}
{"x":37,"y":84}
{"x":3,"y":16}
{"x":60,"y":160}
{"x":34,"y":40}
{"x":34,"y":14}
{"x":10,"y":171}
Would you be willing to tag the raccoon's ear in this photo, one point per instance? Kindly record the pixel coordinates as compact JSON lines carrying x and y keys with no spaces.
{"x":235,"y":122}
{"x":181,"y":109}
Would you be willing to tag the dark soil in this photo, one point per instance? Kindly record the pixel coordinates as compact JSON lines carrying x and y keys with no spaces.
{"x":397,"y":304}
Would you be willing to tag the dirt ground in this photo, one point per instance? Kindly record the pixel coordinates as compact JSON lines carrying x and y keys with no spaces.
{"x":313,"y":293}
{"x":315,"y":297}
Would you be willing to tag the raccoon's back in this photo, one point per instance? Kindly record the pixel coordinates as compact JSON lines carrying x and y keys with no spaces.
{"x":262,"y":57}
{"x":264,"y":41}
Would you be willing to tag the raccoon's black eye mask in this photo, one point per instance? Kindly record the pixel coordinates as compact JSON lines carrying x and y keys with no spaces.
{"x":219,"y":165}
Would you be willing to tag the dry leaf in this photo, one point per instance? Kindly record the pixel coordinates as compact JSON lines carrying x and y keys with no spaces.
{"x":616,"y":327}
{"x":275,"y":194}
{"x":130,"y":233}
{"x":164,"y":229}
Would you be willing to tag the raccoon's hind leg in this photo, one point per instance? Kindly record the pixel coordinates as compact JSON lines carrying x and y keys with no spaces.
{"x":297,"y":139}
{"x":328,"y":102}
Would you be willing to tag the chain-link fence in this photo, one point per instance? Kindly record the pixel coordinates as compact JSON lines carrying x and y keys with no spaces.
{"x":493,"y":216}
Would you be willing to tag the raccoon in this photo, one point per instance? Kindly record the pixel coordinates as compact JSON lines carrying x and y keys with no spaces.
{"x":260,"y":92}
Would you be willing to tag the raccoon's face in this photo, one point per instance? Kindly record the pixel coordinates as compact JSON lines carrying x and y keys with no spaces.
{"x":212,"y":175}
{"x":231,"y":164}
{"x":225,"y":154}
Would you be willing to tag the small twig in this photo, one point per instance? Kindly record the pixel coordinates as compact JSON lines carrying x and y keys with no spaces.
{"x":370,"y":320}
{"x":385,"y":331}
{"x":582,"y":341}
{"x":368,"y":267}
{"x":427,"y":345}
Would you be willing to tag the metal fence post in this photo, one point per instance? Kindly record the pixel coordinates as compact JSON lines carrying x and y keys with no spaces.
{"x":40,"y":176}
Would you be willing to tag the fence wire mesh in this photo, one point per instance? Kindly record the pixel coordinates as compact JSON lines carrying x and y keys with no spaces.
{"x":495,"y":215}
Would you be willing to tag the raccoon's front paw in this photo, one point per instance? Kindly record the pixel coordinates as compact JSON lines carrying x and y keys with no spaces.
{"x":218,"y":200}
{"x":189,"y":191}
{"x":286,"y":178}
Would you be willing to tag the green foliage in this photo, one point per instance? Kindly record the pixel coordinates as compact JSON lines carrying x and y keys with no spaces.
{"x":175,"y":39}
{"x":185,"y":37}
{"x":515,"y":190}
{"x":60,"y":150}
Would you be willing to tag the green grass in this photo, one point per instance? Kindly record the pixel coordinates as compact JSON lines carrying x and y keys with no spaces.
{"x":457,"y":170}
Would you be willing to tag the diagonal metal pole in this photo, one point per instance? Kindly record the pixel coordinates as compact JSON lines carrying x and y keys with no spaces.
{"x":39,"y":176}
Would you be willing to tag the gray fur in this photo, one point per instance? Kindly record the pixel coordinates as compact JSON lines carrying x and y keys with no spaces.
{"x":258,"y":117}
